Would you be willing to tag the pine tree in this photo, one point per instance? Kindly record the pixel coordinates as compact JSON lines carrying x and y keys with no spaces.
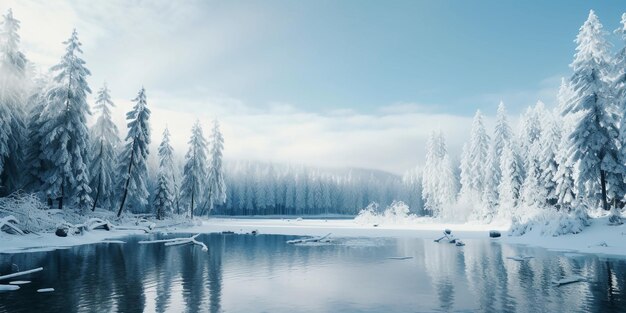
{"x":493,"y":175}
{"x":195,"y":170}
{"x":620,"y":97}
{"x":593,"y":140}
{"x":105,"y":142}
{"x":13,"y":97}
{"x":64,"y":132}
{"x":430,"y":174}
{"x":165,"y":192}
{"x":478,"y":154}
{"x":133,"y":168}
{"x":33,"y":155}
{"x":511,"y":183}
{"x":549,"y":143}
{"x":216,"y":185}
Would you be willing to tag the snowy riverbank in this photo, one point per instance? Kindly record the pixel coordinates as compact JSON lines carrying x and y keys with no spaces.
{"x":599,"y":238}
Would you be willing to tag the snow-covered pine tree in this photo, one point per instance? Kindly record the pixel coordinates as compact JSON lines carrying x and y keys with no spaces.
{"x":447,"y":187}
{"x":164,"y":198}
{"x":502,"y":131}
{"x":564,"y":176}
{"x":104,"y":145}
{"x":133,"y":168}
{"x":195,"y":170}
{"x":215,"y":182}
{"x":33,"y":161}
{"x":493,"y":172}
{"x":593,"y":141}
{"x":478,"y":154}
{"x":492,"y":181}
{"x":511,"y":182}
{"x":619,"y":86}
{"x":431,"y":174}
{"x":464,"y":169}
{"x":64,"y":132}
{"x":549,"y":143}
{"x":564,"y":179}
{"x":13,"y":97}
{"x":531,"y":189}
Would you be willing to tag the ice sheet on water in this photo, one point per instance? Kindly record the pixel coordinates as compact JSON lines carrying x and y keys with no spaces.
{"x":9,"y":287}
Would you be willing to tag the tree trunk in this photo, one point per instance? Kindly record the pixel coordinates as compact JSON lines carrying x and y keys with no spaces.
{"x":95,"y":201}
{"x":605,"y":205}
{"x":176,"y":194}
{"x":193,"y":189}
{"x":130,"y":166}
{"x":61,"y":197}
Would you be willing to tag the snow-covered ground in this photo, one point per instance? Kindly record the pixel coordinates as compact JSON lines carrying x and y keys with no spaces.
{"x":599,"y":238}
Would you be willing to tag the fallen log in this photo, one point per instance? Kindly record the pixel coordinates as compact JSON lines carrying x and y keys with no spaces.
{"x":8,"y":224}
{"x":313,"y":239}
{"x":21,"y":273}
{"x":568,"y":280}
{"x":178,"y":241}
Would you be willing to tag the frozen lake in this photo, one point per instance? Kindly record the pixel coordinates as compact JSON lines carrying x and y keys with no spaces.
{"x":246,"y":273}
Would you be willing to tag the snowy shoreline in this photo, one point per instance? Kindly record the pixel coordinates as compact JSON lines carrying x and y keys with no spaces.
{"x":599,"y":238}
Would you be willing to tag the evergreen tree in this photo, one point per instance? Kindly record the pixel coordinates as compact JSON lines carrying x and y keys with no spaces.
{"x":511,"y":183}
{"x":13,"y":97}
{"x":34,"y":162}
{"x":165,"y":192}
{"x":64,"y":132}
{"x":216,"y":185}
{"x":493,"y":176}
{"x":195,"y":170}
{"x":105,"y":142}
{"x":549,"y":143}
{"x":430,"y":174}
{"x":593,"y":140}
{"x":493,"y":170}
{"x":478,"y":154}
{"x":133,"y":168}
{"x":564,"y":178}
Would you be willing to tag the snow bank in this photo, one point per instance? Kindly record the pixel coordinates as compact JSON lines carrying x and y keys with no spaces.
{"x":549,"y":222}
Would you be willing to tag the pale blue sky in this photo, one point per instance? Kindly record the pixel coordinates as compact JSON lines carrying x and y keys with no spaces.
{"x":337,"y":83}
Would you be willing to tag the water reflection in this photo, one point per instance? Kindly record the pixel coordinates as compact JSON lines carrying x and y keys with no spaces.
{"x":242,"y":273}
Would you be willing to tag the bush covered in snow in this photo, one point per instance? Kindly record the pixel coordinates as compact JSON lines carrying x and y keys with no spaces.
{"x":396,"y":213}
{"x":550,"y":222}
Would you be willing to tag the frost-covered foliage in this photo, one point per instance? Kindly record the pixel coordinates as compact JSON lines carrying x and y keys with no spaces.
{"x":133,"y":168}
{"x":396,"y":213}
{"x":64,"y":132}
{"x":215,"y":181}
{"x":194,"y":184}
{"x":550,"y":222}
{"x":104,"y":145}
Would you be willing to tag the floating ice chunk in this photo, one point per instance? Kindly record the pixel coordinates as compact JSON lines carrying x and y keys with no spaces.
{"x":9,"y":287}
{"x":45,"y":290}
{"x":112,"y":241}
{"x":19,"y":282}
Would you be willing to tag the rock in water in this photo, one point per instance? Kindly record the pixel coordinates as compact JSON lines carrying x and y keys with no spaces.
{"x":494,"y":234}
{"x":61,"y":232}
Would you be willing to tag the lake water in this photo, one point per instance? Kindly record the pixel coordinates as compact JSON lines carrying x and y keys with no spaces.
{"x":246,"y":273}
